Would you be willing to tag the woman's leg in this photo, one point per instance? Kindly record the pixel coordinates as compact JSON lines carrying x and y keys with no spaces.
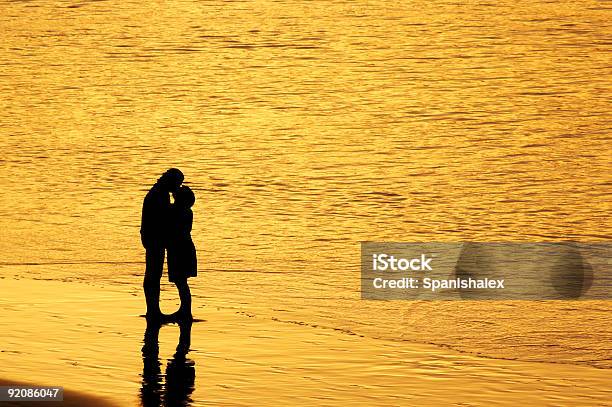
{"x":185,"y":296}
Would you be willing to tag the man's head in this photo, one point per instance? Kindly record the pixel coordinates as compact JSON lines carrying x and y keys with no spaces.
{"x":171,"y":179}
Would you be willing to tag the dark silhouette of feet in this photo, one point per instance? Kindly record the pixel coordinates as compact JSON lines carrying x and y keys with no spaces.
{"x":180,"y":316}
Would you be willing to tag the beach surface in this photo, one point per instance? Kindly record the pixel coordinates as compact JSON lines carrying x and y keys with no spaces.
{"x":89,"y":338}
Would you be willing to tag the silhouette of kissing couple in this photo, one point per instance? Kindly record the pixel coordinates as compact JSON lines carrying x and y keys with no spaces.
{"x":166,"y":230}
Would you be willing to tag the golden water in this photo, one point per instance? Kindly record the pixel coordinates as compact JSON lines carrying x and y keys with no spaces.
{"x":305,"y":128}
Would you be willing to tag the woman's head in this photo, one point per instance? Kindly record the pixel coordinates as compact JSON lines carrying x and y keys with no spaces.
{"x":184,"y":196}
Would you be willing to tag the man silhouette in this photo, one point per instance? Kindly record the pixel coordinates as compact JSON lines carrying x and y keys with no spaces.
{"x":154,"y":235}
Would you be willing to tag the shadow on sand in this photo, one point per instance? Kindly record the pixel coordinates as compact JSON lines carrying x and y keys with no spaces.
{"x":175,"y":387}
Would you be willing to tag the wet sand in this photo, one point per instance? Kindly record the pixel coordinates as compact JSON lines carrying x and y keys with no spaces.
{"x":89,"y":338}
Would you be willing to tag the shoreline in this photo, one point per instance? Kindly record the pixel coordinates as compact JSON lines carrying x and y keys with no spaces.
{"x":91,"y":339}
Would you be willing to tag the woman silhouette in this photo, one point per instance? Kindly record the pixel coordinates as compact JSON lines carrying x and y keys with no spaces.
{"x":182,"y":260}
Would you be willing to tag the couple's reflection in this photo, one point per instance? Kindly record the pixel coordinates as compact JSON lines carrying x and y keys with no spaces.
{"x":179,"y":381}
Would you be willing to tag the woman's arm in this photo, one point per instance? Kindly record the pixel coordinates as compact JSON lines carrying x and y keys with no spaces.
{"x":189,"y":221}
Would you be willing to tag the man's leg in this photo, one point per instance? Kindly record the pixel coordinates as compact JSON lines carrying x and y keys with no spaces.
{"x":153,"y":272}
